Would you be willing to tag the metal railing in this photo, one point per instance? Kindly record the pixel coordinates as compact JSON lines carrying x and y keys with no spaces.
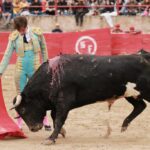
{"x":117,"y":6}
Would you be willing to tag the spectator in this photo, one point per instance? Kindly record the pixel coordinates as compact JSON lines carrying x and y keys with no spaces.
{"x":80,"y":12}
{"x":108,"y":9}
{"x":132,"y":11}
{"x":132,"y":30}
{"x":43,"y":3}
{"x":50,"y":10}
{"x":117,"y":29}
{"x":24,"y":6}
{"x":92,"y":11}
{"x":62,"y":11}
{"x":0,"y":8}
{"x":99,"y":2}
{"x":0,"y":12}
{"x":145,"y":10}
{"x":36,"y":7}
{"x":123,"y":10}
{"x":70,"y":9}
{"x":109,"y":12}
{"x":57,"y":29}
{"x":16,"y":8}
{"x":7,"y":12}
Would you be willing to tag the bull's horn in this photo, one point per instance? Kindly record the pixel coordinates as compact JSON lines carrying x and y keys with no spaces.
{"x":18,"y":101}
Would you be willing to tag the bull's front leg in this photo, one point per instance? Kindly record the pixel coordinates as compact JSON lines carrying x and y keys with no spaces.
{"x":53,"y":115}
{"x":65,"y":100}
{"x":59,"y":122}
{"x":61,"y":115}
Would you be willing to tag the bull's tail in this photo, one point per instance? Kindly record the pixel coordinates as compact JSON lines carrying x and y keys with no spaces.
{"x":110,"y":103}
{"x":109,"y":129}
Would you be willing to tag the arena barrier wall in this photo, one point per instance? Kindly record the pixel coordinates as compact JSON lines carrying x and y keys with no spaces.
{"x":129,"y":43}
{"x":98,"y":41}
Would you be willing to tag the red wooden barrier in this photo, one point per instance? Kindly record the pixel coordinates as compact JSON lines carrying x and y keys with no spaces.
{"x":146,"y":42}
{"x":126,"y":43}
{"x":99,"y":42}
{"x":88,"y":42}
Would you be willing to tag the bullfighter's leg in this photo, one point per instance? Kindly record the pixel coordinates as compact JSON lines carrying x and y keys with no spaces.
{"x":139,"y":105}
{"x":62,"y":131}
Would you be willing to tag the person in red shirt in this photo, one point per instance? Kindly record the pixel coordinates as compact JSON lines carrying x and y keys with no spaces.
{"x":0,"y":8}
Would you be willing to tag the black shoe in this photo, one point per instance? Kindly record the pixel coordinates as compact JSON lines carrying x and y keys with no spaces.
{"x":47,"y":128}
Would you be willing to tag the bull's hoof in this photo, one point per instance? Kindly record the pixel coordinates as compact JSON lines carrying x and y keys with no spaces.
{"x":48,"y":142}
{"x":63,"y":132}
{"x":47,"y":128}
{"x":123,"y":129}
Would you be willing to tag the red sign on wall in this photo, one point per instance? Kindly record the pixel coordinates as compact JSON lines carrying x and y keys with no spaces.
{"x":95,"y":42}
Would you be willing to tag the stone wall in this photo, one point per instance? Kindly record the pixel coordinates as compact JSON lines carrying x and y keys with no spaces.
{"x":67,"y":23}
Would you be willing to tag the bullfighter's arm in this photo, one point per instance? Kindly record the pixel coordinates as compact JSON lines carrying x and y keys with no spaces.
{"x":8,"y":53}
{"x":43,"y":48}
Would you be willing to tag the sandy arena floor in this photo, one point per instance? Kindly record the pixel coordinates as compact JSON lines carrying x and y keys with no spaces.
{"x":86,"y":127}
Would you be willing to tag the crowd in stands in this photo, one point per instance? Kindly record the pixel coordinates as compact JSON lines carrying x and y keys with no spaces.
{"x":13,"y":8}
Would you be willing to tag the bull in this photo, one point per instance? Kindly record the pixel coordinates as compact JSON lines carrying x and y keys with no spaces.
{"x":71,"y":81}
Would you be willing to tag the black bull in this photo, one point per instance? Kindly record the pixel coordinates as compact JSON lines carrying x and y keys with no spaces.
{"x":70,"y":81}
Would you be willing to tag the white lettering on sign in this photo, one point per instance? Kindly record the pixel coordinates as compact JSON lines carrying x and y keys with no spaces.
{"x":86,"y":45}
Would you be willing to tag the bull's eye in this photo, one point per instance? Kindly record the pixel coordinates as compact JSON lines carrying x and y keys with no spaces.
{"x":22,"y":111}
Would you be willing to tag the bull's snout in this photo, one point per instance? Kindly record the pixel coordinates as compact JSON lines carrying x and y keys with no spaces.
{"x":36,"y":127}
